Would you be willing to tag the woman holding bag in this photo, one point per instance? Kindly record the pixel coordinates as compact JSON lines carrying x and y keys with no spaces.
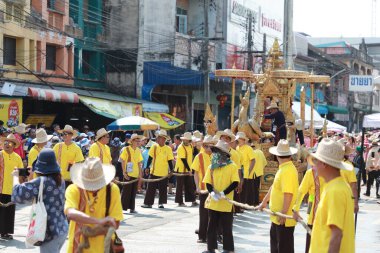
{"x":46,"y":167}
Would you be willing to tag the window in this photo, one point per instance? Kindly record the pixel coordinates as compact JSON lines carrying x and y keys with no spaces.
{"x":13,"y":12}
{"x":9,"y":56}
{"x":50,"y":57}
{"x":86,"y":61}
{"x":51,"y":4}
{"x":181,"y":21}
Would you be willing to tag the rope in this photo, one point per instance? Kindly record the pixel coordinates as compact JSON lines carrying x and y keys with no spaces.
{"x":150,"y":180}
{"x":7,"y":204}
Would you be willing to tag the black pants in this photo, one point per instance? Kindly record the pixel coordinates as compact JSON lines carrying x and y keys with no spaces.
{"x":237,"y":197}
{"x":300,"y":136}
{"x":225,"y":220}
{"x":7,"y":215}
{"x":247,"y":192}
{"x":372,"y":175}
{"x":203,"y":217}
{"x":281,"y":239}
{"x":364,"y":175}
{"x":151,"y":191}
{"x":128,"y":195}
{"x":184,"y":183}
{"x":308,"y":239}
{"x":256,"y":191}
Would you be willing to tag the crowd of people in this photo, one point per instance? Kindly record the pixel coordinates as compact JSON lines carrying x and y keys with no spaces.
{"x":90,"y":180}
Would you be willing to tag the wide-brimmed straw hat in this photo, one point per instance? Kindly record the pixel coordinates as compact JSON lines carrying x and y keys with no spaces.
{"x":162,"y":133}
{"x":226,"y":132}
{"x":41,"y":136}
{"x":21,"y":129}
{"x":283,"y":149}
{"x":273,"y":105}
{"x":221,"y":146}
{"x":187,"y":136}
{"x":241,"y":135}
{"x":347,"y":149}
{"x":332,"y":153}
{"x":69,"y":129}
{"x":209,"y":140}
{"x":92,"y":175}
{"x":135,"y":136}
{"x":100,"y":133}
{"x":197,"y":136}
{"x":11,"y":138}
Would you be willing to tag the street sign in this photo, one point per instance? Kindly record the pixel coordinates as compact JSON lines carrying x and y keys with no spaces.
{"x":361,"y":83}
{"x":8,"y":89}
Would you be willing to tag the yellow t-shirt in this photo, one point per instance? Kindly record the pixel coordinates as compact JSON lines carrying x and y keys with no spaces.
{"x":222,"y":178}
{"x":285,"y":181}
{"x":161,"y":156}
{"x":69,"y":155}
{"x":196,"y":166}
{"x":308,"y":186}
{"x":349,"y":175}
{"x":136,"y":158}
{"x":335,"y":208}
{"x":11,"y":161}
{"x":33,"y":154}
{"x":261,"y":162}
{"x":247,"y":156}
{"x":236,"y":157}
{"x":115,"y":211}
{"x":95,"y":152}
{"x":183,"y":152}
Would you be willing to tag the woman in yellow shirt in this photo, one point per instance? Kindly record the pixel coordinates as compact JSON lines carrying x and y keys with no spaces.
{"x":40,"y":142}
{"x":100,"y":148}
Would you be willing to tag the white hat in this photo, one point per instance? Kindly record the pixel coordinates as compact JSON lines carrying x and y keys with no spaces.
{"x":283,"y":149}
{"x":221,"y":146}
{"x":41,"y":136}
{"x":332,"y":153}
{"x":100,"y":133}
{"x":135,"y":136}
{"x":209,"y":140}
{"x":21,"y":129}
{"x":226,"y":132}
{"x":91,"y":174}
{"x":241,"y":135}
{"x":69,"y":129}
{"x":273,"y":105}
{"x":162,"y":133}
{"x":197,"y":136}
{"x":187,"y":136}
{"x":84,"y":135}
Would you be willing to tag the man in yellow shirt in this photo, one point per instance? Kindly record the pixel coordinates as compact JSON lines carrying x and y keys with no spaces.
{"x":221,"y":179}
{"x":40,"y":142}
{"x":258,"y":171}
{"x":184,"y":160}
{"x":333,"y":227}
{"x":161,"y":158}
{"x":9,"y":161}
{"x":92,"y":200}
{"x":67,"y":153}
{"x":100,"y":148}
{"x":282,"y":195}
{"x":131,"y":163}
{"x":200,"y":165}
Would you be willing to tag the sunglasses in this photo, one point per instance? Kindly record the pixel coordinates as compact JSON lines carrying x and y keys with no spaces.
{"x":9,"y":143}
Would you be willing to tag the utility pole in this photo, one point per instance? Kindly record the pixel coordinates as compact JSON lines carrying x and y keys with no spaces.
{"x":250,"y":42}
{"x":206,"y":81}
{"x":288,"y":33}
{"x":264,"y":57}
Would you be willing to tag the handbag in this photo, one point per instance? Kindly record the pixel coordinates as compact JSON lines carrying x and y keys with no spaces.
{"x":116,"y":242}
{"x":38,"y":219}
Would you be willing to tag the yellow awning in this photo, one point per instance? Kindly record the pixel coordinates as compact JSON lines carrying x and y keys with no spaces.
{"x":110,"y":108}
{"x":166,"y":121}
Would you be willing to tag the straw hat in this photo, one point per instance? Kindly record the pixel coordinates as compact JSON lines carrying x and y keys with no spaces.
{"x":375,"y":142}
{"x":347,"y":149}
{"x":162,"y":133}
{"x":209,"y":140}
{"x":226,"y":132}
{"x":187,"y":136}
{"x":273,"y":105}
{"x":11,"y":138}
{"x":21,"y":129}
{"x":100,"y":133}
{"x":332,"y":153}
{"x":91,"y":174}
{"x":69,"y":129}
{"x":241,"y":135}
{"x":135,"y":136}
{"x":221,"y":146}
{"x":283,"y":149}
{"x":197,"y":136}
{"x":41,"y":136}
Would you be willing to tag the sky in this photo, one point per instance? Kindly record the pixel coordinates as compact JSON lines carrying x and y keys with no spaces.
{"x":335,"y":18}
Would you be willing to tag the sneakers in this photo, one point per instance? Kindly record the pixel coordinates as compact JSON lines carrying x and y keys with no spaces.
{"x":367,"y":194}
{"x":146,"y":206}
{"x":6,"y":236}
{"x":161,"y":206}
{"x":132,"y":211}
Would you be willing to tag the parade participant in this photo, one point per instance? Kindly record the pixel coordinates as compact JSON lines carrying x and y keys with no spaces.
{"x":40,"y":141}
{"x":358,"y":163}
{"x":67,"y":153}
{"x":174,"y":147}
{"x":161,"y":157}
{"x":258,"y":172}
{"x":221,"y":179}
{"x":9,"y":160}
{"x":200,"y":165}
{"x":282,"y":196}
{"x":145,"y":155}
{"x":248,"y":161}
{"x":92,"y":200}
{"x":184,"y":160}
{"x":197,"y":142}
{"x":100,"y":148}
{"x":46,"y":167}
{"x":333,"y":227}
{"x":19,"y":131}
{"x":116,"y":150}
{"x":228,"y":137}
{"x":373,"y":157}
{"x":278,"y":124}
{"x":131,"y":160}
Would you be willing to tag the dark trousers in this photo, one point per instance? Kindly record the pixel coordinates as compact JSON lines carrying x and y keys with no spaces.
{"x":256,"y":190}
{"x":372,"y":175}
{"x":237,"y":197}
{"x":364,"y":175}
{"x":225,"y":220}
{"x":7,"y":215}
{"x":184,"y":183}
{"x":308,"y":238}
{"x":203,"y":217}
{"x":247,"y":192}
{"x":128,"y":195}
{"x":300,"y":136}
{"x":281,"y":239}
{"x":151,"y":191}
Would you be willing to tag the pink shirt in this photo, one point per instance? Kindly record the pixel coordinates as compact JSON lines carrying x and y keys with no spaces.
{"x":20,"y":150}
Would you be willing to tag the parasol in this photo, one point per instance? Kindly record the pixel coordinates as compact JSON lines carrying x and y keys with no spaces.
{"x":133,"y":123}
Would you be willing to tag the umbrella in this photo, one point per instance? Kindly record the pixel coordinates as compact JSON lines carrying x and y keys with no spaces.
{"x":133,"y":123}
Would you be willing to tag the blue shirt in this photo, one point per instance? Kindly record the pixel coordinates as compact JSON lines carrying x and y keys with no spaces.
{"x":54,"y":200}
{"x":145,"y":155}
